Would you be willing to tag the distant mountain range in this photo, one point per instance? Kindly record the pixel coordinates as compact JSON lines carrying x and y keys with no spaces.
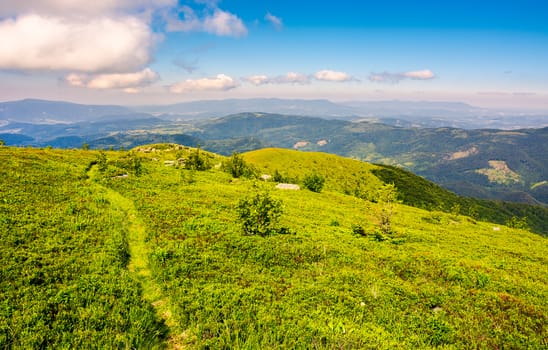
{"x":40,"y":111}
{"x":503,"y":164}
{"x":396,"y":113}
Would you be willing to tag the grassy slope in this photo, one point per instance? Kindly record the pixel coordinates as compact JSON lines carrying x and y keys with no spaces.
{"x":421,"y":193}
{"x":63,"y":252}
{"x":445,"y":280}
{"x":341,"y":174}
{"x":448,"y":281}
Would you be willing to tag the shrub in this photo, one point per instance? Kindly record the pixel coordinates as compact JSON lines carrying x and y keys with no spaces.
{"x":358,"y":230}
{"x":386,"y":197}
{"x":198,"y":161}
{"x":280,"y":178}
{"x":237,"y":167}
{"x":314,"y":182}
{"x":102,"y":161}
{"x":516,"y":222}
{"x":259,"y":214}
{"x":131,"y":163}
{"x":277,"y":176}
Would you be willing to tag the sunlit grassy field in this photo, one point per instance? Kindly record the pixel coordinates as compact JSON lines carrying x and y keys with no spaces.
{"x":72,"y":234}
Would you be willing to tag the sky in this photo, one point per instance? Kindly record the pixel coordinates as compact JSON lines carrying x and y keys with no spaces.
{"x":136,"y":52}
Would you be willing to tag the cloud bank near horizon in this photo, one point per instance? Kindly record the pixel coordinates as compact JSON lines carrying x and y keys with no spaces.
{"x":221,"y":82}
{"x":394,"y":78}
{"x":299,"y":78}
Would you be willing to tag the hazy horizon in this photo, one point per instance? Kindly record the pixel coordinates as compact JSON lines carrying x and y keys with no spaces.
{"x":489,"y":54}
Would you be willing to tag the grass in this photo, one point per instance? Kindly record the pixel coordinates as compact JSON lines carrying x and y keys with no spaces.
{"x":64,"y":253}
{"x":441,"y":280}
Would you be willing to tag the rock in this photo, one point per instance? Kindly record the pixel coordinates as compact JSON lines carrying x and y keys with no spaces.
{"x":265,"y":177}
{"x":300,"y":144}
{"x":288,"y":187}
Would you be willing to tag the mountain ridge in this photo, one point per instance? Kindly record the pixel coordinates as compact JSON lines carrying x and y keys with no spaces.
{"x":393,"y":112}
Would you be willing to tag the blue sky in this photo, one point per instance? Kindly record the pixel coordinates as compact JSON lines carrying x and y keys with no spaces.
{"x":487,"y":53}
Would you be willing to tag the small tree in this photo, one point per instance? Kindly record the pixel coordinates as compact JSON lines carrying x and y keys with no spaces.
{"x":85,"y":146}
{"x":197,"y":161}
{"x":277,"y":176}
{"x":102,"y":161}
{"x":516,"y":222}
{"x":2,"y":143}
{"x":237,"y":167}
{"x":386,"y":198}
{"x":314,"y":182}
{"x":259,"y":214}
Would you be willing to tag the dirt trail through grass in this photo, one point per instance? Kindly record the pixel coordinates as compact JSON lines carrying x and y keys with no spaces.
{"x":138,"y":263}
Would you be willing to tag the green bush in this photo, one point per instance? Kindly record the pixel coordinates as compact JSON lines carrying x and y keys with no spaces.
{"x":516,"y":222}
{"x":259,"y":214}
{"x":131,"y":163}
{"x":358,"y":230}
{"x":237,"y":167}
{"x":386,"y":197}
{"x":198,"y":161}
{"x":314,"y":182}
{"x":281,"y":178}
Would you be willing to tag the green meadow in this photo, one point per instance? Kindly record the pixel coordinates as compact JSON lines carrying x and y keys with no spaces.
{"x":142,"y":249}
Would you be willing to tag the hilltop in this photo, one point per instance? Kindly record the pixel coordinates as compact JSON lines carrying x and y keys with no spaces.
{"x":136,"y":250}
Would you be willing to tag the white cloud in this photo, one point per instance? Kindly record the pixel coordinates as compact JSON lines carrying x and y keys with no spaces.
{"x":394,"y":78}
{"x":420,"y":74}
{"x":225,"y":24}
{"x":292,"y":78}
{"x":67,"y":8}
{"x":219,"y":83}
{"x":102,"y":44}
{"x":217,"y":22}
{"x":330,"y":75}
{"x":257,"y":79}
{"x":288,"y":78}
{"x":276,"y":21}
{"x":130,"y":82}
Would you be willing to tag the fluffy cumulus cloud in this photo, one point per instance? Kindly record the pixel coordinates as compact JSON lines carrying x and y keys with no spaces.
{"x":330,"y":75}
{"x":76,"y":7}
{"x":215,"y":21}
{"x":221,"y":82}
{"x":394,"y":78}
{"x":102,"y":44}
{"x":100,"y":36}
{"x":275,"y":21}
{"x":129,"y":82}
